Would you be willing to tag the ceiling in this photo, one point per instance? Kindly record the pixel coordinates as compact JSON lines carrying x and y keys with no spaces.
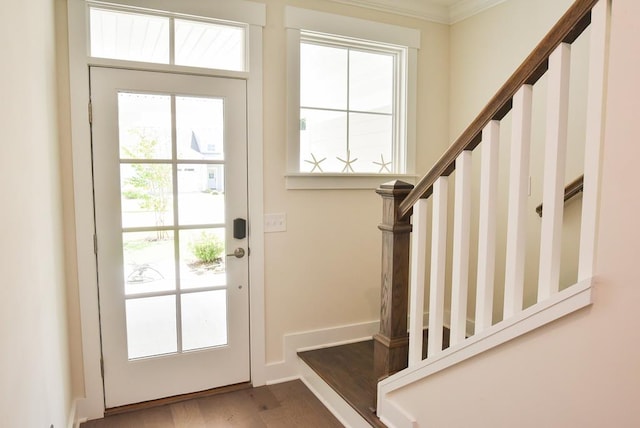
{"x":443,"y":11}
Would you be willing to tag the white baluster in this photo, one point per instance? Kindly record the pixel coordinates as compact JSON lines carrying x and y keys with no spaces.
{"x":417,"y":284}
{"x":461,"y":232}
{"x":554,"y":170}
{"x":438,"y":265}
{"x":487,"y":225}
{"x":594,"y":135}
{"x":518,"y":193}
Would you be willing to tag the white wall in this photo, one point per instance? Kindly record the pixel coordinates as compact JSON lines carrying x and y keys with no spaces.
{"x":34,"y":364}
{"x":324,"y":271}
{"x":581,"y":371}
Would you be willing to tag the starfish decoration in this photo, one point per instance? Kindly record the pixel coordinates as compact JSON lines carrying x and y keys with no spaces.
{"x":348,"y":163}
{"x":383,"y":165}
{"x":316,"y":163}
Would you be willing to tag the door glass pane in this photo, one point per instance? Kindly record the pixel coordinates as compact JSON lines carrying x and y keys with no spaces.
{"x":370,"y":82}
{"x":200,"y":128}
{"x":149,"y":261}
{"x":323,"y":76}
{"x":151,"y":326}
{"x":129,"y":36}
{"x":204,"y":319}
{"x":370,"y":141}
{"x":323,"y":138}
{"x":208,"y":45}
{"x":202,"y":258}
{"x":144,"y":123}
{"x":146,"y":195}
{"x":200,"y":194}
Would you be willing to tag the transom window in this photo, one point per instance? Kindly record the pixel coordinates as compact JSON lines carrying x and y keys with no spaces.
{"x":130,"y":36}
{"x":349,"y":117}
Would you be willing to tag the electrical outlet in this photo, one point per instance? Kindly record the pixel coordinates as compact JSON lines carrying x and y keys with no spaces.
{"x":276,"y":222}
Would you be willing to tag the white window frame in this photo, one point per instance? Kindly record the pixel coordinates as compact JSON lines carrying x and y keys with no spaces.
{"x":91,"y":406}
{"x":301,"y":21}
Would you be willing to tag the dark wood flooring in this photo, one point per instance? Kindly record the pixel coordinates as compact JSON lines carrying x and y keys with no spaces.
{"x":285,"y":405}
{"x":348,"y":369}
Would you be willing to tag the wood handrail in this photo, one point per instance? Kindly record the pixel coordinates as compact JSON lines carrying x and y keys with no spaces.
{"x":566,"y":30}
{"x":572,"y":189}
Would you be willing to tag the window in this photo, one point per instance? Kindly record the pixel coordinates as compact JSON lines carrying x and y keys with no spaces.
{"x":350,"y":101}
{"x":130,"y":36}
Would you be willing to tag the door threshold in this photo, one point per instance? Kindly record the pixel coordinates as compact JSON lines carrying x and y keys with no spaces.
{"x":175,"y":399}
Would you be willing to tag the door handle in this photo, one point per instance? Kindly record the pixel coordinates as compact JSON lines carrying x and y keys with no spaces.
{"x":237,"y":253}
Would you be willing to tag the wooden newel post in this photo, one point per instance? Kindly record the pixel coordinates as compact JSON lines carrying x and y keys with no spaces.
{"x":391,"y":344}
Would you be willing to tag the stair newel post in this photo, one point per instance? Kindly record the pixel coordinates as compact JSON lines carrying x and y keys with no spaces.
{"x":391,"y":344}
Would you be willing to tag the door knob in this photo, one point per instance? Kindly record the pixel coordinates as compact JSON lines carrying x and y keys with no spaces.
{"x":237,"y":253}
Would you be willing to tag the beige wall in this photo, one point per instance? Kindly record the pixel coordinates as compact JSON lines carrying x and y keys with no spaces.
{"x":34,"y":362}
{"x":324,"y":271}
{"x":581,"y":371}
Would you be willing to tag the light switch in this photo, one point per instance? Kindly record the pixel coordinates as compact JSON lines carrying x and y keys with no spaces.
{"x":276,"y":222}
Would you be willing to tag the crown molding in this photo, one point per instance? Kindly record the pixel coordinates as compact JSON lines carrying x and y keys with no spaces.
{"x":467,"y":8}
{"x":425,"y":9}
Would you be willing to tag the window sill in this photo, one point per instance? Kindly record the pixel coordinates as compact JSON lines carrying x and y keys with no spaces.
{"x":328,"y":181}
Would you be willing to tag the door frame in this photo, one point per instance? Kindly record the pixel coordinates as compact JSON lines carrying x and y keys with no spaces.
{"x":92,"y":405}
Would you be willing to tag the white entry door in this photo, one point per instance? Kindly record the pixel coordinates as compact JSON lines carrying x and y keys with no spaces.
{"x":170,"y":182}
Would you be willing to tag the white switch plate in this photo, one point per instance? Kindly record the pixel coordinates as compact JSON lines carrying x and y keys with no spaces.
{"x":276,"y":222}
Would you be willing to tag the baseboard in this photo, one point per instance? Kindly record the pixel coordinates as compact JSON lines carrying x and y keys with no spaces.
{"x":304,"y":341}
{"x":330,"y":399}
{"x":73,"y":420}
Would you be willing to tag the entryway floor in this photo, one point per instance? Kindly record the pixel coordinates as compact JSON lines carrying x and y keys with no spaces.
{"x":284,"y":405}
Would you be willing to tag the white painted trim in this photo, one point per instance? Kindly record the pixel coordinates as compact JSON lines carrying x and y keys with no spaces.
{"x":316,"y":339}
{"x":487,"y":224}
{"x":395,"y":417}
{"x":561,"y":304}
{"x":468,"y":8}
{"x":555,"y":154}
{"x":91,"y":406}
{"x":417,"y":277}
{"x":330,"y":398}
{"x":437,"y":280}
{"x":594,"y":137}
{"x":517,"y":200}
{"x":427,"y":10}
{"x":329,"y":23}
{"x":247,"y":12}
{"x":72,"y":419}
{"x":300,"y":181}
{"x":255,"y":162}
{"x":461,"y":247}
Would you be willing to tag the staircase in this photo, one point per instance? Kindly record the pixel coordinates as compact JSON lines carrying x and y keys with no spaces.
{"x":427,"y":240}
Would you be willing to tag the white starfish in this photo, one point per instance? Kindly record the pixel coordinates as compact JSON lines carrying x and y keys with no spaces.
{"x":348,"y":164}
{"x":316,"y":163}
{"x":383,"y":165}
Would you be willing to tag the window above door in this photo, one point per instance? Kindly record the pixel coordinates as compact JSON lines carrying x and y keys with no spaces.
{"x":351,"y":101}
{"x":154,"y":37}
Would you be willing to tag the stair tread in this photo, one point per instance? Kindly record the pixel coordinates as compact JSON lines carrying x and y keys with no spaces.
{"x":348,"y":369}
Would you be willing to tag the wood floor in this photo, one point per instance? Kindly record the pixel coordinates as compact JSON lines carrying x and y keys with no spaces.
{"x":348,"y":369}
{"x":285,"y":405}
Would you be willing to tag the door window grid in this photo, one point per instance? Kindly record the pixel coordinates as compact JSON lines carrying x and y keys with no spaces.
{"x":179,"y":239}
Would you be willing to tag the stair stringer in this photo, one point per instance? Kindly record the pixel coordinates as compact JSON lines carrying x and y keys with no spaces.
{"x":561,"y":304}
